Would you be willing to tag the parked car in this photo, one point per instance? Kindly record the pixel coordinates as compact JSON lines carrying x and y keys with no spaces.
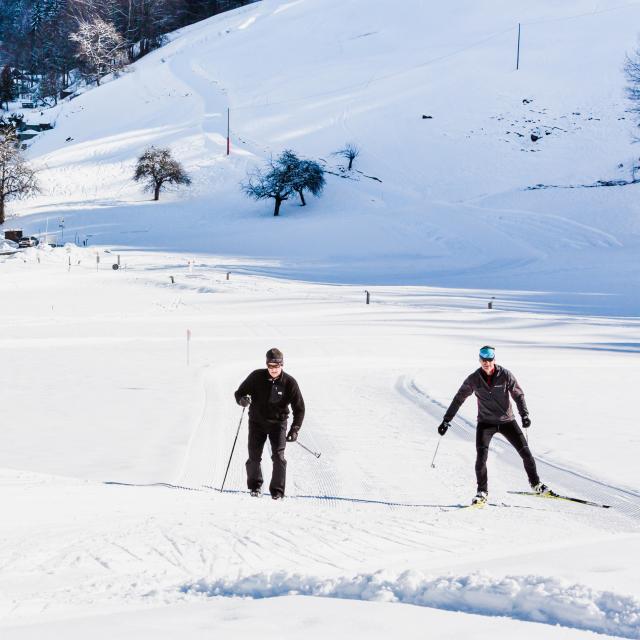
{"x":28,"y":241}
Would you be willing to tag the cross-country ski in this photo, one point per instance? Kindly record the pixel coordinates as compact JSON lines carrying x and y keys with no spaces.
{"x":555,"y":496}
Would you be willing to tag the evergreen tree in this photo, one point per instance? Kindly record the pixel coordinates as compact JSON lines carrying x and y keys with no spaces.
{"x":7,"y":90}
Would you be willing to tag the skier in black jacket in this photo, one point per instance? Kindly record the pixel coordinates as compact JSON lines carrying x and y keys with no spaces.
{"x":492,"y":385}
{"x":268,"y":394}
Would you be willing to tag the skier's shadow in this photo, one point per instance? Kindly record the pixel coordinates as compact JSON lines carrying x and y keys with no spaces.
{"x":166,"y":485}
{"x":386,"y":503}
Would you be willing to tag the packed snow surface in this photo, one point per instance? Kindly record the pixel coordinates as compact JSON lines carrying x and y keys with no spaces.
{"x":116,"y":446}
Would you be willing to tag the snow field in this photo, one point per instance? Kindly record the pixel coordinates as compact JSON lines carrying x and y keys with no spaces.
{"x":137,"y":521}
{"x":114,"y":448}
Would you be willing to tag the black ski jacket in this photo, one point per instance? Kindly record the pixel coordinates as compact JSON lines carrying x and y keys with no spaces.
{"x":270,"y":398}
{"x":494,"y":406}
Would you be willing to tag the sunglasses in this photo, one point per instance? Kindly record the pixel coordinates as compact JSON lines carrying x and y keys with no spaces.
{"x":487,"y":359}
{"x":274,"y":365}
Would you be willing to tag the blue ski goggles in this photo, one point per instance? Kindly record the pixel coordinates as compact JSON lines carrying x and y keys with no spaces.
{"x":487,"y":353}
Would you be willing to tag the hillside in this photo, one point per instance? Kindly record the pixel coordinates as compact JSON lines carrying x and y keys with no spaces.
{"x":449,"y":205}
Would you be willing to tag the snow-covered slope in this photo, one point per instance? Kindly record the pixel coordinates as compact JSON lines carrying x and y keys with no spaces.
{"x":114,"y":448}
{"x":441,"y":200}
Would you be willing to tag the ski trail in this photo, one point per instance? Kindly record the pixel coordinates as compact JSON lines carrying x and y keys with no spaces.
{"x":560,"y":478}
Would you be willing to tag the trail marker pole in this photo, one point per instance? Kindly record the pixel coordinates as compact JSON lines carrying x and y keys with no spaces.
{"x":518,"y":53}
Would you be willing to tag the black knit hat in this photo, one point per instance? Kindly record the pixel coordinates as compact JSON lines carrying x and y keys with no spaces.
{"x":275,"y":355}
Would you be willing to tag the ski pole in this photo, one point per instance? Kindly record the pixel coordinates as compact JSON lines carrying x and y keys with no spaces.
{"x":433,"y":465}
{"x":315,"y":453}
{"x":232,"y":449}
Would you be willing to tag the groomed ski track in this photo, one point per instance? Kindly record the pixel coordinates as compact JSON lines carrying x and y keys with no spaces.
{"x":212,"y":439}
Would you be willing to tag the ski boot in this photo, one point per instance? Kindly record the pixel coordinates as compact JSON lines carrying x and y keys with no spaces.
{"x":480,"y":498}
{"x":542,"y":489}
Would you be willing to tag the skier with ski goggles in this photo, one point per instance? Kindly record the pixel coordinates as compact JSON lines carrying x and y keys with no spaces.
{"x":494,"y":387}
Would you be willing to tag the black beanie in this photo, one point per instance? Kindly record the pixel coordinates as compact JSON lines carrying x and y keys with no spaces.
{"x":275,"y":355}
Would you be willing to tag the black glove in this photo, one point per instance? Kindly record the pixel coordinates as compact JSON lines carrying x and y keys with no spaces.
{"x":444,"y":425}
{"x":526,"y":422}
{"x":292,"y":436}
{"x":245,"y":401}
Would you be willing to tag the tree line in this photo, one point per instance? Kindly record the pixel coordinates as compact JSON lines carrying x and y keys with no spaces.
{"x":41,"y":41}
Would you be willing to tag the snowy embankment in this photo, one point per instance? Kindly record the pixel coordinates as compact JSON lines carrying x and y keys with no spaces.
{"x":529,"y":598}
{"x":440,"y":200}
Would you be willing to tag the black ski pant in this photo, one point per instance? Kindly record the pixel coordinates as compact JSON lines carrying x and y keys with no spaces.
{"x":258,"y":434}
{"x":512,"y":432}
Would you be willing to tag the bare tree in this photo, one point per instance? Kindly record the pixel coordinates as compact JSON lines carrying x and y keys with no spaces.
{"x":276,"y":182}
{"x":632,"y":73}
{"x":350,"y":152}
{"x":305,"y":175}
{"x":17,"y":179}
{"x":156,"y":167}
{"x":101,"y":48}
